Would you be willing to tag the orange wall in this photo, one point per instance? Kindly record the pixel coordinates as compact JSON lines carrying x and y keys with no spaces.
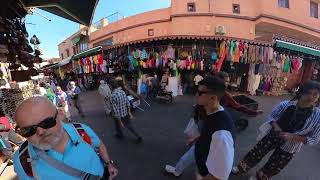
{"x":299,"y":11}
{"x":175,"y":20}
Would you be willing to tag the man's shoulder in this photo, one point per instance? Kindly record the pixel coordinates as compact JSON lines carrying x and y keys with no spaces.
{"x":223,"y":137}
{"x":220,"y":115}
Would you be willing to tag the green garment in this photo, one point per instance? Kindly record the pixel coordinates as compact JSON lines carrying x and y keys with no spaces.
{"x":286,"y":65}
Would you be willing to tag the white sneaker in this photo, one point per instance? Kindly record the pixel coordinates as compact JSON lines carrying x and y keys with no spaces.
{"x":171,"y":170}
{"x":252,"y":178}
{"x":235,"y":170}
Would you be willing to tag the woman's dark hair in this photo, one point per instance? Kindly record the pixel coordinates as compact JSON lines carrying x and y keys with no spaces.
{"x":199,"y":113}
{"x":306,"y":87}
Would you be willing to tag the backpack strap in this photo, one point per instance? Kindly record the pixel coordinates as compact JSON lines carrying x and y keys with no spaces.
{"x":82,"y":133}
{"x":24,"y":155}
{"x":24,"y":158}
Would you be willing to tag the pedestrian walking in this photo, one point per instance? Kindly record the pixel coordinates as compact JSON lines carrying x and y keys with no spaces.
{"x":291,"y":125}
{"x":193,"y":132}
{"x":105,"y":92}
{"x":63,"y":102}
{"x":121,"y":111}
{"x":214,"y":149}
{"x":55,"y":150}
{"x":74,"y":95}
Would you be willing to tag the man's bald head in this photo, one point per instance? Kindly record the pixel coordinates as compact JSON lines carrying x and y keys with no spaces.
{"x":34,"y":109}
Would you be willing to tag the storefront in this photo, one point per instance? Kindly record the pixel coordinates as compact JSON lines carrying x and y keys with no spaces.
{"x":89,"y":66}
{"x":254,"y":67}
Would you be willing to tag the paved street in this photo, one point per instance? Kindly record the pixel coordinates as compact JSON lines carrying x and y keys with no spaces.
{"x":162,"y":128}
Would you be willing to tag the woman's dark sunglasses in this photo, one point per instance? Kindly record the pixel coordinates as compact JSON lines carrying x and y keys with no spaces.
{"x":45,"y":124}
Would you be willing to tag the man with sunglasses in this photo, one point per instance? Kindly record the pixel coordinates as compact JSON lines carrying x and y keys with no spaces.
{"x":214,"y":150}
{"x":56,"y":150}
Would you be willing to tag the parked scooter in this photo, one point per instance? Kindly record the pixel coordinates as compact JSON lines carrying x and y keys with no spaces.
{"x":161,"y":95}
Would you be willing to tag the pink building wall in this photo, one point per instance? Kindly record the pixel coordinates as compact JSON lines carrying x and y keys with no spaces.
{"x":256,"y":18}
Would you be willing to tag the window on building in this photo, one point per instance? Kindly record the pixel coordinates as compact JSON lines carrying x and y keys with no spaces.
{"x":150,"y":32}
{"x":314,"y":9}
{"x":236,"y":8}
{"x":62,"y":56}
{"x":283,"y":3}
{"x":191,"y":7}
{"x":68,"y":54}
{"x":74,"y":50}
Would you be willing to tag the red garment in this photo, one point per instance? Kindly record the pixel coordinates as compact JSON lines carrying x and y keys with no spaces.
{"x":5,"y":121}
{"x":100,"y":59}
{"x":296,"y":64}
{"x":220,"y":61}
{"x":228,"y":101}
{"x":241,"y":48}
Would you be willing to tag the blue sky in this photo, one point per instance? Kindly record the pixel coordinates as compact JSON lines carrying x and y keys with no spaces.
{"x":54,"y":32}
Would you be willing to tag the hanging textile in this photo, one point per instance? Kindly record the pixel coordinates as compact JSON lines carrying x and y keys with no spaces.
{"x":170,"y":52}
{"x":286,"y":65}
{"x":100,"y":59}
{"x":222,"y":49}
{"x":222,"y":56}
{"x":237,"y":52}
{"x":245,"y":53}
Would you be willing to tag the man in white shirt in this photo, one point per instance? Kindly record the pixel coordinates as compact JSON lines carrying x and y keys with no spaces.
{"x":214,"y":150}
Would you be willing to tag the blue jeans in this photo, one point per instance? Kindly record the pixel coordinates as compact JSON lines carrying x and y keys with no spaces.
{"x":186,"y":160}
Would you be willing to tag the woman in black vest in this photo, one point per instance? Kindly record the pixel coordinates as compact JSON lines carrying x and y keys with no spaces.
{"x":291,"y":125}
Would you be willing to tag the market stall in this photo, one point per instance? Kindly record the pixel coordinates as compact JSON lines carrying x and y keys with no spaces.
{"x":253,"y":66}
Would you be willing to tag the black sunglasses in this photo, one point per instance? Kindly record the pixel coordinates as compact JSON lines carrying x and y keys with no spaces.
{"x":45,"y":124}
{"x":200,"y":93}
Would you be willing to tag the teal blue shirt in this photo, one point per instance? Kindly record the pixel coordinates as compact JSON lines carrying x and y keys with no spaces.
{"x":81,"y":156}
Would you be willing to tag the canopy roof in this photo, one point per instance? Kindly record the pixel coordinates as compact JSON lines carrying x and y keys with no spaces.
{"x":80,"y":11}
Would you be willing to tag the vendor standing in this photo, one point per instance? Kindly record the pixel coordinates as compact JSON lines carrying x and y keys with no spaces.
{"x":291,"y":125}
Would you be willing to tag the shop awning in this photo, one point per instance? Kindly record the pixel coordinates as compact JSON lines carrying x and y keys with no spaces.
{"x":75,"y":40}
{"x":59,"y":64}
{"x":80,"y":11}
{"x":298,"y":48}
{"x":88,"y":52}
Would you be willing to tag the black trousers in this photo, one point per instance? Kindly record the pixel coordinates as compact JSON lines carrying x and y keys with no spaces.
{"x":277,"y":161}
{"x":127,"y":123}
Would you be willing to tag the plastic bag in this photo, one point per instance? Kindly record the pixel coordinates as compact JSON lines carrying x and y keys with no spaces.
{"x":192,"y":129}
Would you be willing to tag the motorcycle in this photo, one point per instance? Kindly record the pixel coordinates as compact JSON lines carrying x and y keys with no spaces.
{"x":161,"y":96}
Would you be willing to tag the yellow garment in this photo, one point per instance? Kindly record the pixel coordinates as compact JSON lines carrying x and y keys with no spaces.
{"x":222,"y":48}
{"x":95,"y":60}
{"x":283,"y":60}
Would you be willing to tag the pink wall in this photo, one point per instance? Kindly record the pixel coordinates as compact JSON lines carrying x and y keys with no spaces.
{"x":175,"y":20}
{"x":63,"y":46}
{"x":299,"y":11}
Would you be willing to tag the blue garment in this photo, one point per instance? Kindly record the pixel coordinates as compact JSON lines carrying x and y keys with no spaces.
{"x":186,"y":160}
{"x":82,"y":157}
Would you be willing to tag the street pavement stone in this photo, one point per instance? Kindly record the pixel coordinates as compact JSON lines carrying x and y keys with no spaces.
{"x":162,"y":125}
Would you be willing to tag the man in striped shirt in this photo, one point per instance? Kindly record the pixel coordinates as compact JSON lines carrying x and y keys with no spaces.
{"x":291,"y":125}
